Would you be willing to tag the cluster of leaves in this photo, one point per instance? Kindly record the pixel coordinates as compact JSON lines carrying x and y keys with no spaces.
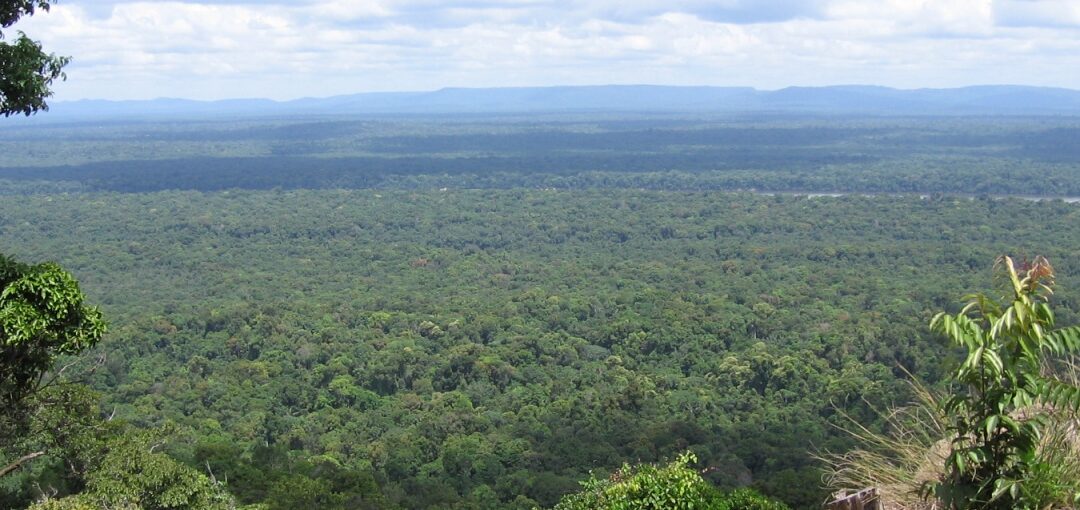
{"x":675,"y":486}
{"x":130,"y":474}
{"x":269,"y":474}
{"x":42,"y":316}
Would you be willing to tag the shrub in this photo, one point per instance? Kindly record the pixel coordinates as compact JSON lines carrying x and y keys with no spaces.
{"x":672,"y":487}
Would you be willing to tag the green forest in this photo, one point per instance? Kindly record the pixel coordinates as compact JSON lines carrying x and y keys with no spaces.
{"x":490,"y":312}
{"x":490,"y":348}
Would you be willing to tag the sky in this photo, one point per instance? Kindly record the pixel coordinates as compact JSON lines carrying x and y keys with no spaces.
{"x":284,"y":49}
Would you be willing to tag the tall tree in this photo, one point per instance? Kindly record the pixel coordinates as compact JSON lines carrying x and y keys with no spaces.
{"x":26,"y":71}
{"x":42,"y":316}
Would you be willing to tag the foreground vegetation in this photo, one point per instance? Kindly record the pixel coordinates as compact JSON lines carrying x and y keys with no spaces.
{"x":675,"y":486}
{"x":377,"y":348}
{"x":1004,"y":434}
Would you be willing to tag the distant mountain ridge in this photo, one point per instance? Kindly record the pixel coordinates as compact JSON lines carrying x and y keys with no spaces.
{"x":845,"y":99}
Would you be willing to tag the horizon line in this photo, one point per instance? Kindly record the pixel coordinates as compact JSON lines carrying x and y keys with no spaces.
{"x":528,"y":87}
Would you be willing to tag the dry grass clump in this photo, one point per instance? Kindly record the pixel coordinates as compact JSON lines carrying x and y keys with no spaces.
{"x":898,"y":462}
{"x":913,"y":449}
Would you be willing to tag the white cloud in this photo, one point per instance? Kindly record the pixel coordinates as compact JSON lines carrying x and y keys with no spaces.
{"x":951,"y":17}
{"x":348,"y":10}
{"x":323,"y":47}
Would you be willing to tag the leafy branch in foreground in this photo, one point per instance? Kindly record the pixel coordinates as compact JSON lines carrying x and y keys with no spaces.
{"x":42,"y":316}
{"x":998,"y":416}
{"x":26,"y":71}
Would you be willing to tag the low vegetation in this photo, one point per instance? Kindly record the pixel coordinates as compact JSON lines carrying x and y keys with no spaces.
{"x":1003,"y":435}
{"x":675,"y":486}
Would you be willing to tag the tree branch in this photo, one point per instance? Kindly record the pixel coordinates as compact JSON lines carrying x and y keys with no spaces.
{"x":15,"y":465}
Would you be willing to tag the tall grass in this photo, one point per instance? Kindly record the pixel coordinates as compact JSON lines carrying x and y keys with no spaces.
{"x":910,"y":452}
{"x":913,"y":448}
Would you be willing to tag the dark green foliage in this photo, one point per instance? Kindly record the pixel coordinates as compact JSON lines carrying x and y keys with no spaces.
{"x":12,"y":10}
{"x":130,"y":473}
{"x":103,"y":463}
{"x":281,"y":480}
{"x":484,"y":349}
{"x":747,"y":499}
{"x":61,"y":422}
{"x":91,"y":462}
{"x":26,"y":71}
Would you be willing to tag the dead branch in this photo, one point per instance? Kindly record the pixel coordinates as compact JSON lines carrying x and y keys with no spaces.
{"x":19,"y":462}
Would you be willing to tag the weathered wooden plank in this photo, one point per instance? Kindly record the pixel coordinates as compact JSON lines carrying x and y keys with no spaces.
{"x":866,"y":499}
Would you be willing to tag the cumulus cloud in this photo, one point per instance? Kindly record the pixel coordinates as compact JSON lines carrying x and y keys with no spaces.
{"x":292,"y":48}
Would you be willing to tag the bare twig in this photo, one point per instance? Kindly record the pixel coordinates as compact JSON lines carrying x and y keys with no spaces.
{"x":56,"y":376}
{"x":211,"y":471}
{"x":157,"y":445}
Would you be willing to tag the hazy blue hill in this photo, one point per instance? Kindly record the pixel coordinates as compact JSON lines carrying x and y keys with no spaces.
{"x":1002,"y":99}
{"x":847,"y":99}
{"x":387,"y":101}
{"x":607,"y":98}
{"x":839,"y":99}
{"x":535,"y":99}
{"x":157,"y":108}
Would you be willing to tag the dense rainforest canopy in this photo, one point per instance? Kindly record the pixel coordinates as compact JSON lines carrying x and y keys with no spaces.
{"x":480,"y":312}
{"x":489,"y":348}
